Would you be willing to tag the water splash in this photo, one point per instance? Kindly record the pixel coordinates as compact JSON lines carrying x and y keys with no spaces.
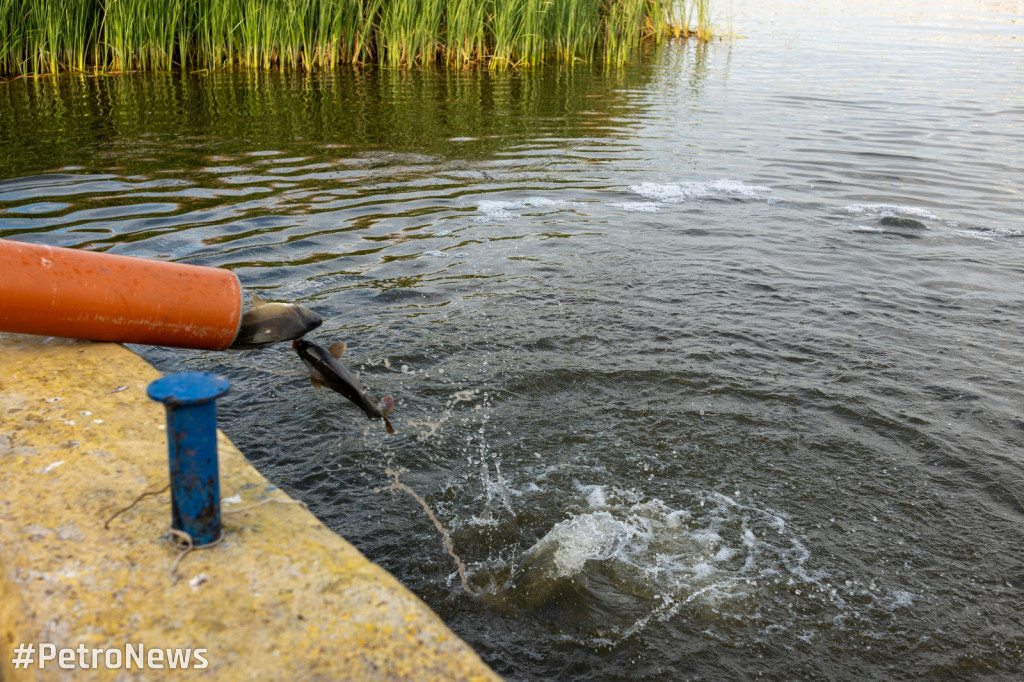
{"x":627,"y":563}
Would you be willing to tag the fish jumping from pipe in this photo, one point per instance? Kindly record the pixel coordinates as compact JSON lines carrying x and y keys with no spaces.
{"x":326,"y":370}
{"x":268,"y":323}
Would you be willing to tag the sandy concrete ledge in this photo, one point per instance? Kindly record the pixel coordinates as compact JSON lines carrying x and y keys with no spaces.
{"x":282,"y":598}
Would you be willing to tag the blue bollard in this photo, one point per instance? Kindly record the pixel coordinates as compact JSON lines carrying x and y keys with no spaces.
{"x":192,"y":445}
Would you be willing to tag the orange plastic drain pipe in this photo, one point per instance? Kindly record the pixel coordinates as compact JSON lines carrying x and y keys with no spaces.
{"x":54,"y":291}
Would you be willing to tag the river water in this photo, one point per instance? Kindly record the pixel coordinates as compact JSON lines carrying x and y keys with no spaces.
{"x":711,"y":366}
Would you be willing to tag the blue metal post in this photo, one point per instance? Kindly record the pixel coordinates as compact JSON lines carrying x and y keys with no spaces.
{"x":192,"y":445}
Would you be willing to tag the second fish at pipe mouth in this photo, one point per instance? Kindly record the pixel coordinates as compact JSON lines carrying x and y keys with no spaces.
{"x":268,"y":323}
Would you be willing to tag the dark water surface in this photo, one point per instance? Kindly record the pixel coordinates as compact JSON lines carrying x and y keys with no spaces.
{"x":711,"y":366}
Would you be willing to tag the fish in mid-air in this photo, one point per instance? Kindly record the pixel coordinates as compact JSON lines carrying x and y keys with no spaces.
{"x":268,"y":323}
{"x":326,"y":370}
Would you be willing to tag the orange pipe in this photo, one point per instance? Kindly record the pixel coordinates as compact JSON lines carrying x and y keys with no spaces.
{"x":53,"y":291}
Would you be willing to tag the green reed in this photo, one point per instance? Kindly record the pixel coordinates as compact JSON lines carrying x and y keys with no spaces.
{"x":692,"y":18}
{"x":42,"y":36}
{"x":142,"y":34}
{"x":466,"y":31}
{"x":411,"y":31}
{"x":11,"y":33}
{"x":578,"y":28}
{"x":47,"y":36}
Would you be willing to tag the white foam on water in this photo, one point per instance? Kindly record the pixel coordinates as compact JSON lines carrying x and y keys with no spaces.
{"x":679,"y":192}
{"x":497,"y":210}
{"x":673,"y":519}
{"x":507,"y":210}
{"x":891,"y":211}
{"x":990,"y":235}
{"x":597,"y":497}
{"x":737,"y":187}
{"x":669,"y":194}
{"x":597,"y":536}
{"x":639,"y":206}
{"x":867,"y":228}
{"x":726,"y":553}
{"x":656,"y":196}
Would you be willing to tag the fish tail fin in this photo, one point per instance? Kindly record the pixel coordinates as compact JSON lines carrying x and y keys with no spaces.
{"x":387,"y":403}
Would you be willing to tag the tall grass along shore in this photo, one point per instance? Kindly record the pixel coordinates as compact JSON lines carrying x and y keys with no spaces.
{"x":49,"y":36}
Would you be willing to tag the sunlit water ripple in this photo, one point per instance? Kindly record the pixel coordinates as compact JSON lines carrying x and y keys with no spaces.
{"x":710,"y":366}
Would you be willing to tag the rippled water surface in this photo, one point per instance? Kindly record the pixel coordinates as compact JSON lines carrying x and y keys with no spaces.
{"x":712,"y":366}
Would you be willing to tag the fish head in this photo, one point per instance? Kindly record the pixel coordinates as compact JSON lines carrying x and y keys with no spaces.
{"x":307,"y":318}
